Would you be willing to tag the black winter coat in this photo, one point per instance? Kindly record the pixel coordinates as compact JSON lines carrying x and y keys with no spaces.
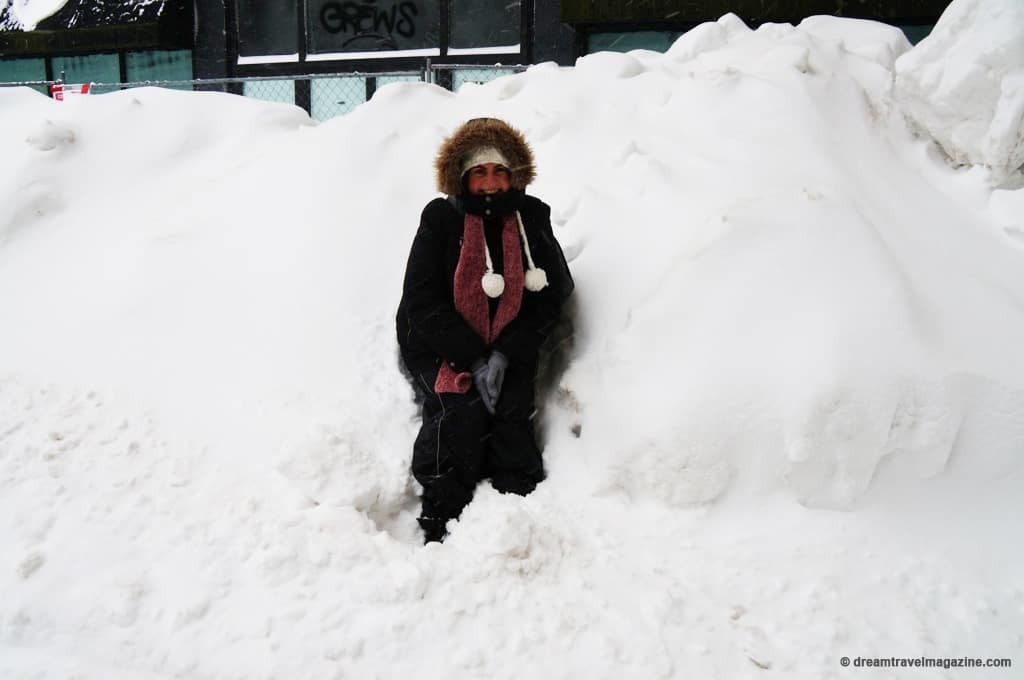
{"x":431,"y":330}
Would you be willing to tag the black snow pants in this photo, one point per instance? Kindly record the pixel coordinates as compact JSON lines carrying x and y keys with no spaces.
{"x":460,"y":444}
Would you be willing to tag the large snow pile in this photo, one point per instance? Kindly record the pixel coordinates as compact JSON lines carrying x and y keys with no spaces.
{"x":794,"y":378}
{"x":964,"y":85}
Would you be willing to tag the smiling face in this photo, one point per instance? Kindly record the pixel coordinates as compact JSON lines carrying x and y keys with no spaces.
{"x":488,"y":178}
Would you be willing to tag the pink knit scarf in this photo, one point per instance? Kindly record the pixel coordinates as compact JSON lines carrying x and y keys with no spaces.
{"x":470,"y":299}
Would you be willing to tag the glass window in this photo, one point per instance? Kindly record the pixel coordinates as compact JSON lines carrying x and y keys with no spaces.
{"x":159,"y":65}
{"x":271,"y":90}
{"x":88,"y":68}
{"x":387,"y":80}
{"x":332,"y":97}
{"x":21,"y":70}
{"x":477,"y":75}
{"x":659,"y":41}
{"x":367,"y":27}
{"x":484,"y":23}
{"x":267,"y":28}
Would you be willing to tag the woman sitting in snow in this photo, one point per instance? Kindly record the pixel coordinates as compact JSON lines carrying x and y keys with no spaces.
{"x":484,"y":285}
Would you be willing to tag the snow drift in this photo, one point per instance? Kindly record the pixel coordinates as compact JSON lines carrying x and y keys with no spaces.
{"x":785,"y":302}
{"x":964,"y":85}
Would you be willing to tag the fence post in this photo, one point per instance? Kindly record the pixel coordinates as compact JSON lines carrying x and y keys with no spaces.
{"x":304,"y":95}
{"x":443,"y":78}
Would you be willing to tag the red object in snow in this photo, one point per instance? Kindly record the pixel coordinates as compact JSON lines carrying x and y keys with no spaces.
{"x":60,"y":91}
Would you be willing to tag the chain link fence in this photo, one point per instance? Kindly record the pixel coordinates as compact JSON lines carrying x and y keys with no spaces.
{"x":454,"y":76}
{"x":41,"y":86}
{"x":324,"y":96}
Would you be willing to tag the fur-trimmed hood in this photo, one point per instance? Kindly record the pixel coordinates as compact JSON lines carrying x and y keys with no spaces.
{"x":483,"y":132}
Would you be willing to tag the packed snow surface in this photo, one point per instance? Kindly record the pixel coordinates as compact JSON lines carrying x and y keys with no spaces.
{"x":964,"y":84}
{"x":789,"y":427}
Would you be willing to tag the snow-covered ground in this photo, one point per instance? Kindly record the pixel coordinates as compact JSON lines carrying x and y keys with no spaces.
{"x":795,"y":377}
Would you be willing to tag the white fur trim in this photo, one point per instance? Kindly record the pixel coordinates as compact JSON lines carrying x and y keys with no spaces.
{"x":494,"y":284}
{"x":484,"y":154}
{"x":535,"y":280}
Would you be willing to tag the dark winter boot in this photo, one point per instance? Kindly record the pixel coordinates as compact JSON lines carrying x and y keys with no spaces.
{"x":433,"y":529}
{"x":519,"y":484}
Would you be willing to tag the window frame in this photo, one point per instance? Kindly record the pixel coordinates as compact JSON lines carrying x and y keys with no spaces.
{"x":307,"y":63}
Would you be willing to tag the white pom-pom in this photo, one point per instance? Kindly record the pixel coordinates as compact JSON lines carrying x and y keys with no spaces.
{"x":536,"y":279}
{"x":494,"y":284}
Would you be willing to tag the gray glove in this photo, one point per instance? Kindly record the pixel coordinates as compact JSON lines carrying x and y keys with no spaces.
{"x":480,"y":371}
{"x":496,"y":366}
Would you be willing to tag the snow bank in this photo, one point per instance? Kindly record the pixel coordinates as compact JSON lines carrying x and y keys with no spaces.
{"x":874,"y":41}
{"x":784,"y":303}
{"x":964,"y":84}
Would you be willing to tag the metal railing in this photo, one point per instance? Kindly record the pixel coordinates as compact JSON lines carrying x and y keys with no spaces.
{"x":454,"y":76}
{"x":323,"y":96}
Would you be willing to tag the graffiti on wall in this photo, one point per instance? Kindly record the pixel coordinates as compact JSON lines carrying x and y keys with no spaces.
{"x":369,"y":24}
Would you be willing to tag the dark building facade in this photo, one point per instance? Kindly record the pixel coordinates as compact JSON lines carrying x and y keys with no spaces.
{"x":100,"y":40}
{"x":112,"y":41}
{"x":654,"y":24}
